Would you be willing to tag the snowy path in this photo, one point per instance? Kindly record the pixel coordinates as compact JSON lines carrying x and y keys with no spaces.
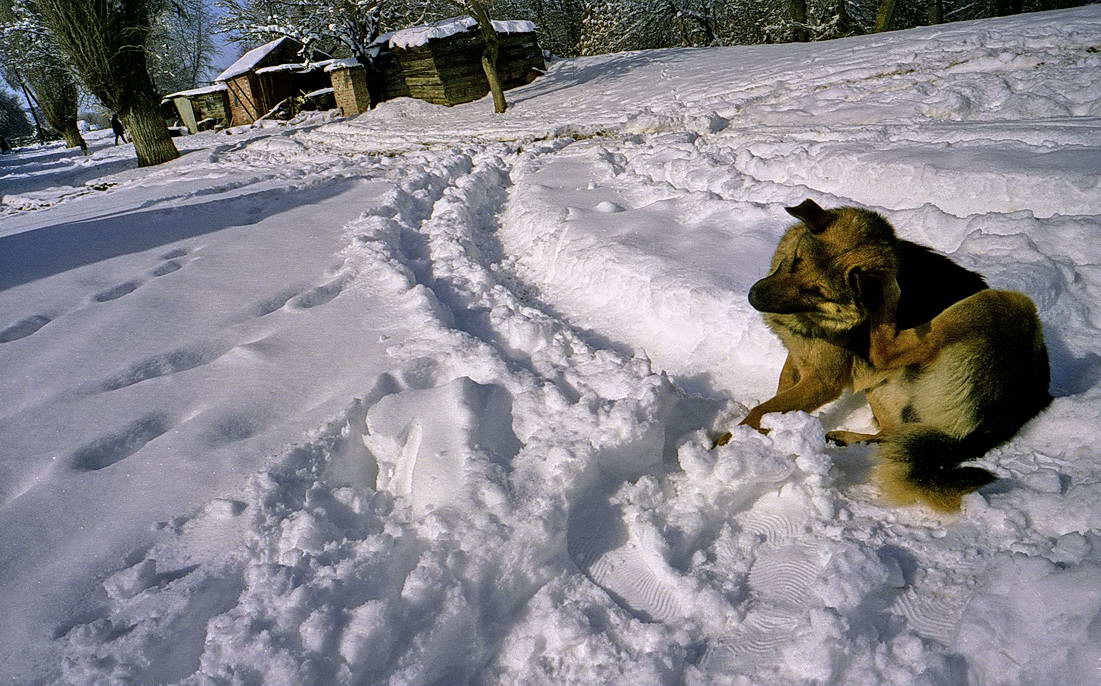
{"x":289,"y":412}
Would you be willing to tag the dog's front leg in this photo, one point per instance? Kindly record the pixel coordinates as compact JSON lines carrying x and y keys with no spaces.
{"x":789,"y":375}
{"x":807,"y":395}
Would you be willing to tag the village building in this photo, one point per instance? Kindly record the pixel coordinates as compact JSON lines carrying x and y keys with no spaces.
{"x":439,"y":62}
{"x":201,"y":109}
{"x":267,"y":75}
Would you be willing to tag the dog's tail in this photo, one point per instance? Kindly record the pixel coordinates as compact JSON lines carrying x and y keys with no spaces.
{"x":919,"y":462}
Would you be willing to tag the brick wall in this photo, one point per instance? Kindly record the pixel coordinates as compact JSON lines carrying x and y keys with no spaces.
{"x":242,"y":100}
{"x":350,"y":90}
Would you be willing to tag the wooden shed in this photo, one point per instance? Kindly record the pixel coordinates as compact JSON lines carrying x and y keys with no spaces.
{"x":442,"y":62}
{"x":265,"y":76}
{"x":200,"y":109}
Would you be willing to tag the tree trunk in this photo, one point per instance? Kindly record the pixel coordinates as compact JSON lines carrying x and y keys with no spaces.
{"x":71,"y":133}
{"x":936,"y":12}
{"x":105,"y":42}
{"x":489,"y":64}
{"x":798,"y":9}
{"x":885,"y":16}
{"x":489,"y":56}
{"x":34,"y":114}
{"x":149,"y":134}
{"x":59,"y":108}
{"x":844,"y":21}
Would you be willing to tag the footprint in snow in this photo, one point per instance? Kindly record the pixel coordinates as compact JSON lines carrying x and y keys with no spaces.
{"x":161,"y":365}
{"x":116,"y":292}
{"x":780,"y":583}
{"x":628,"y":563}
{"x":171,"y":263}
{"x":30,"y":325}
{"x":117,"y":446}
{"x":298,"y":299}
{"x":166,"y":268}
{"x":24,"y":328}
{"x":320,"y":295}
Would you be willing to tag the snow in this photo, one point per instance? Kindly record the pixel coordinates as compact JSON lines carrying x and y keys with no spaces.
{"x":280,"y":67}
{"x":426,"y":396}
{"x":345,"y":63}
{"x":420,"y":35}
{"x":214,"y":88}
{"x":319,"y":91}
{"x":250,"y":59}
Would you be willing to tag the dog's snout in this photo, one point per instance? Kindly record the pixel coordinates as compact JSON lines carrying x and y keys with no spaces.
{"x":775,"y":296}
{"x":755,"y":297}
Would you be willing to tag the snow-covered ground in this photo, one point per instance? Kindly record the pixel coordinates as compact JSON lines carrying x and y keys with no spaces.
{"x":425,"y":396}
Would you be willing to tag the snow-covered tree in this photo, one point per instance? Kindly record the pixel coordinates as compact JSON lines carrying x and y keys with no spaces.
{"x":13,"y":120}
{"x":558,"y":22}
{"x":105,"y":42}
{"x":33,"y":63}
{"x":346,"y":27}
{"x":181,"y":45}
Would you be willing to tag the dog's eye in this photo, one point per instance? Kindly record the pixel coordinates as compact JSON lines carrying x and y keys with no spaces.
{"x":813,"y":292}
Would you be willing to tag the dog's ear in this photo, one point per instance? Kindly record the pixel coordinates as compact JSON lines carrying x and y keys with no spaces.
{"x":867,"y":287}
{"x":808,"y":211}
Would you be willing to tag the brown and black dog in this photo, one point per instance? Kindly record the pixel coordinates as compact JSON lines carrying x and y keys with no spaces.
{"x":950,"y":367}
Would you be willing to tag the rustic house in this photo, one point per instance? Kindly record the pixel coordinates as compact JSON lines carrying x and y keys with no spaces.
{"x":439,"y":62}
{"x":442,"y":62}
{"x":200,"y":109}
{"x":265,"y":76}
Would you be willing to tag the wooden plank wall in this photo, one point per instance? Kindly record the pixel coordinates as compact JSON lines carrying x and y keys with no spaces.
{"x":448,"y":71}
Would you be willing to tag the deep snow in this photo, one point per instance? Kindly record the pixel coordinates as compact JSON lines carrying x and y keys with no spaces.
{"x":425,"y":396}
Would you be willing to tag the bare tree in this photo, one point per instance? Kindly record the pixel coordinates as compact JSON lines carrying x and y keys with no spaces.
{"x":30,"y":61}
{"x":105,"y":41}
{"x":482,"y":12}
{"x":181,"y":46}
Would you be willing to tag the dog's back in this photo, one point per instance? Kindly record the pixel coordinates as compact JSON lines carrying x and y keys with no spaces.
{"x":930,"y":283}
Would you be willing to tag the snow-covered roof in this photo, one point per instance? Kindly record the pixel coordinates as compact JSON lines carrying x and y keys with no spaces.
{"x":420,"y":35}
{"x":299,"y":67}
{"x":196,"y":91}
{"x":346,"y":63}
{"x":319,"y":91}
{"x":250,"y":59}
{"x":294,"y":66}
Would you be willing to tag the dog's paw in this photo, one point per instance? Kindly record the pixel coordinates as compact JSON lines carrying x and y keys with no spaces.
{"x":837,"y":437}
{"x":844,"y":438}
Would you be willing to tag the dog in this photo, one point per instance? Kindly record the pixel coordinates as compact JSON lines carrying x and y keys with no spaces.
{"x":950,"y":367}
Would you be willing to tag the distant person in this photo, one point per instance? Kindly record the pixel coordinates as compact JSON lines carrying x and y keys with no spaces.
{"x":117,"y":127}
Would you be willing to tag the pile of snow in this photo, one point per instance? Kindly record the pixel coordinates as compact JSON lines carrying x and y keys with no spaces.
{"x":427,"y":396}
